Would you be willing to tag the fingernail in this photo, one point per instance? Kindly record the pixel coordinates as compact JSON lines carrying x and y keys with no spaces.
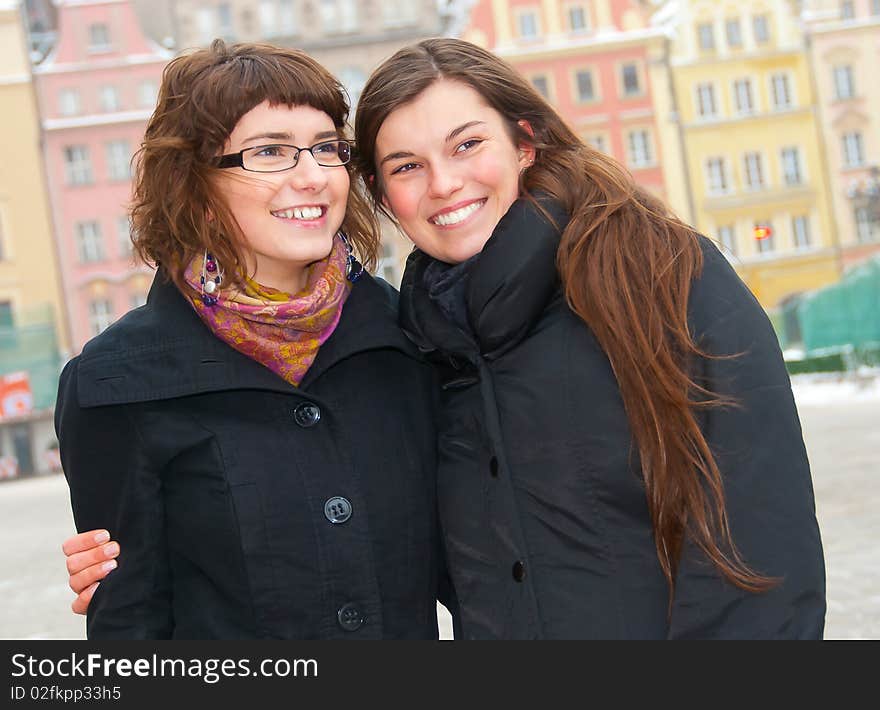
{"x":102,"y":537}
{"x":112,"y":549}
{"x":107,"y":566}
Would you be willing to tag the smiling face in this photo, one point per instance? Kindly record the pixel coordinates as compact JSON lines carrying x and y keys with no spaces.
{"x":288,"y":218}
{"x":449,"y":169}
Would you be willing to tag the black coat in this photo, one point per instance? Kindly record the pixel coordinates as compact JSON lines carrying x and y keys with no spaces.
{"x":542,"y":503}
{"x":222,"y":482}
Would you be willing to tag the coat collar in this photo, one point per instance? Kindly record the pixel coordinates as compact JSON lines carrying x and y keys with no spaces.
{"x":163,"y":350}
{"x":509,"y":286}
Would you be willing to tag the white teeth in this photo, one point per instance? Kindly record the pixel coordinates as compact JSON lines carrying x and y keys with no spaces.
{"x":300,"y":213}
{"x":450,"y":218}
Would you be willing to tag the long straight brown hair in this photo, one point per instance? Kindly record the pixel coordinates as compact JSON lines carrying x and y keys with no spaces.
{"x":626,"y":265}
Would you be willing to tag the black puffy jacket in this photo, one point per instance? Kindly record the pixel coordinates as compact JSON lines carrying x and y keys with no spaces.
{"x":542,"y":502}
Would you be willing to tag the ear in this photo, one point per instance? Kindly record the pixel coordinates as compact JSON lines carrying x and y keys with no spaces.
{"x":526,"y":150}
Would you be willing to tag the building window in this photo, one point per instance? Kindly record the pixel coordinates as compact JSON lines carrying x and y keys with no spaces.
{"x":205,"y":25}
{"x":267,"y":14}
{"x":109,"y":98}
{"x":541,"y":85}
{"x":766,"y":245}
{"x":339,"y":15}
{"x":733,"y":31}
{"x":706,"y":100}
{"x":68,"y":102}
{"x":780,"y":91}
{"x":354,"y":80}
{"x":706,"y":36}
{"x":77,"y":165}
{"x":875,"y":7}
{"x":754,"y":171}
{"x":853,"y":153}
{"x":584,"y":82}
{"x":397,"y":13}
{"x":864,"y":225}
{"x":224,"y":21}
{"x":742,"y":91}
{"x":148,"y":92}
{"x":630,"y":77}
{"x":847,"y":10}
{"x":527,"y":24}
{"x":89,"y":245}
{"x":123,"y":236}
{"x":100,"y":315}
{"x":716,"y":172}
{"x":727,"y":237}
{"x":99,"y":37}
{"x":286,"y":17}
{"x":577,"y":18}
{"x":7,"y":320}
{"x":800,"y":228}
{"x":791,"y":166}
{"x":844,"y":84}
{"x":761,"y":28}
{"x":599,"y":143}
{"x":640,"y":149}
{"x":137,"y":299}
{"x":118,"y":160}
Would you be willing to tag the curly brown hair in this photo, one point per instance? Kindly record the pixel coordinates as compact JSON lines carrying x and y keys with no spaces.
{"x":177,"y":210}
{"x":626,"y":264}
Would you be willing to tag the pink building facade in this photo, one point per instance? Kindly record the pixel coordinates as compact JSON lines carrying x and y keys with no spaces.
{"x":96,"y":90}
{"x":596,"y":62}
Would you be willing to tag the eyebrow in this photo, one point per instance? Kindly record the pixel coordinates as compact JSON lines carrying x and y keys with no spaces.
{"x":451,"y":136}
{"x":286,"y":136}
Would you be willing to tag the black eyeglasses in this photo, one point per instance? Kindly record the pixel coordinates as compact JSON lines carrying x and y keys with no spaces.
{"x":278,"y":157}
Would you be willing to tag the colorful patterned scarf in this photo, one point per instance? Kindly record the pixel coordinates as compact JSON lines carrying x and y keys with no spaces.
{"x":269,"y":326}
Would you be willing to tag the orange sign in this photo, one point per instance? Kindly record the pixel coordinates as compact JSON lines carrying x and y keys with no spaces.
{"x":763,"y":232}
{"x":16,"y":398}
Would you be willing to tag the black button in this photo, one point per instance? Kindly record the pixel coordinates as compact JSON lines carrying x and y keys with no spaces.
{"x":350,"y":617}
{"x":307,"y":414}
{"x":493,"y":467}
{"x":337,"y":510}
{"x":519,"y":571}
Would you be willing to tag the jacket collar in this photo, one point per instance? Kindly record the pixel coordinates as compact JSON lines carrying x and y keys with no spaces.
{"x":163,"y":349}
{"x":510,"y":285}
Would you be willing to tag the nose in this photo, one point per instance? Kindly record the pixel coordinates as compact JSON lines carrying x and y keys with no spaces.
{"x":444,"y":181}
{"x":307,"y":174}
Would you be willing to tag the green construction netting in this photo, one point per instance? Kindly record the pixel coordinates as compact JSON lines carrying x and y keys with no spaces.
{"x":844,"y":313}
{"x":32,"y":347}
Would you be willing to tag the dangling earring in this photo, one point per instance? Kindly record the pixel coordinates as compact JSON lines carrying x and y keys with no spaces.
{"x":353,"y":268}
{"x":210,"y":279}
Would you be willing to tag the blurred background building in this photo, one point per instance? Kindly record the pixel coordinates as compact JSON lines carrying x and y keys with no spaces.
{"x":756,"y":120}
{"x":33,"y":325}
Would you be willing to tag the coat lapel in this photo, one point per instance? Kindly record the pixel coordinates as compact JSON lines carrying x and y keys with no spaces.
{"x":164,"y":350}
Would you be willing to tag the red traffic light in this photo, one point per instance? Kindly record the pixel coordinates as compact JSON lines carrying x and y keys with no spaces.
{"x":763,"y":231}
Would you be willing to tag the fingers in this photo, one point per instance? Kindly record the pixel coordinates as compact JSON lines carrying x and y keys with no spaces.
{"x":86,"y":568}
{"x":85,"y":541}
{"x":81,"y":603}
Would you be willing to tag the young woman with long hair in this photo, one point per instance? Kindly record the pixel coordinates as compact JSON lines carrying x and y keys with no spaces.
{"x":619,"y":450}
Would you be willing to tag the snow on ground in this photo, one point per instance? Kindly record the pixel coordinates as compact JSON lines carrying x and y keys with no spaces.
{"x":816,"y":389}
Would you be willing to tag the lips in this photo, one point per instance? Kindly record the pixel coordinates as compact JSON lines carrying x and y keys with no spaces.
{"x":304,"y":212}
{"x":452,"y":217}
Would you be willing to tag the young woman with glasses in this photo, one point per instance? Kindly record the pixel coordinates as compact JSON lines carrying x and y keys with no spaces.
{"x":259,"y":435}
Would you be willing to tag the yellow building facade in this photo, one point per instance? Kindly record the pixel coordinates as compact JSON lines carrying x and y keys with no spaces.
{"x":752,"y":146}
{"x":30,"y":293}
